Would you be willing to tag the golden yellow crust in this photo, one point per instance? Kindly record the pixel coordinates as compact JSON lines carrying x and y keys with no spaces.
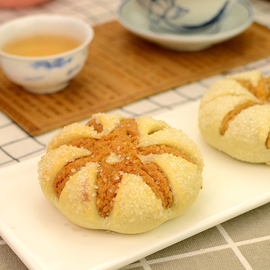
{"x":234,"y":116}
{"x":155,"y":178}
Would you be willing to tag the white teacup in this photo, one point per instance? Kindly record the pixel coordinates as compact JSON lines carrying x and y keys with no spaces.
{"x":50,"y":73}
{"x":185,"y":15}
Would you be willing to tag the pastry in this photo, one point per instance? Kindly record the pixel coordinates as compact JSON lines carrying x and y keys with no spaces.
{"x":234,"y":116}
{"x":122,"y":175}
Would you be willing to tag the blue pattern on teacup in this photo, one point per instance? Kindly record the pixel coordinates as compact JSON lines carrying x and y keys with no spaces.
{"x":71,"y":70}
{"x":57,"y":63}
{"x":167,"y":12}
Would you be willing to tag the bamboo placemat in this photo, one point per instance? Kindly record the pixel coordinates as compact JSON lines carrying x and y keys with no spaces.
{"x":122,"y":68}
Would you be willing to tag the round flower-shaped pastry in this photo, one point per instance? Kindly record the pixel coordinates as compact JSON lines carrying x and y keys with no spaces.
{"x":123,"y":175}
{"x":234,"y":116}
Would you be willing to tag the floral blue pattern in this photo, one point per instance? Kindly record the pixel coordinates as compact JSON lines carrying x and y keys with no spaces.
{"x":71,"y":70}
{"x":57,"y":63}
{"x":168,"y":12}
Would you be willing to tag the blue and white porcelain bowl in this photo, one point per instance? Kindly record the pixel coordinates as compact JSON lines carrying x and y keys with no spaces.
{"x":45,"y":74}
{"x":238,"y":20}
{"x":185,"y":15}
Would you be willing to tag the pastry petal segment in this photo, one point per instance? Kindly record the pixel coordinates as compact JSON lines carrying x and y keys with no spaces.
{"x":226,"y":88}
{"x":247,"y":141}
{"x":78,"y":131}
{"x":176,"y":139}
{"x":212,"y":114}
{"x":148,"y":125}
{"x":185,"y":179}
{"x":71,"y":132}
{"x":51,"y":163}
{"x":136,"y":208}
{"x":108,"y":121}
{"x":78,"y":198}
{"x":253,"y":76}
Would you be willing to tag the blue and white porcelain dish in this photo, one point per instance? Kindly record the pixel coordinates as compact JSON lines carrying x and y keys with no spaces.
{"x":237,"y":21}
{"x":45,"y":74}
{"x":185,"y":15}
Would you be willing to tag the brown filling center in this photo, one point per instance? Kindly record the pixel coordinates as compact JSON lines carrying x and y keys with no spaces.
{"x":122,"y":142}
{"x":261,"y":92}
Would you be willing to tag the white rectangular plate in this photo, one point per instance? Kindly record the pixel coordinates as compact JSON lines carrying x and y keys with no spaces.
{"x":44,"y":239}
